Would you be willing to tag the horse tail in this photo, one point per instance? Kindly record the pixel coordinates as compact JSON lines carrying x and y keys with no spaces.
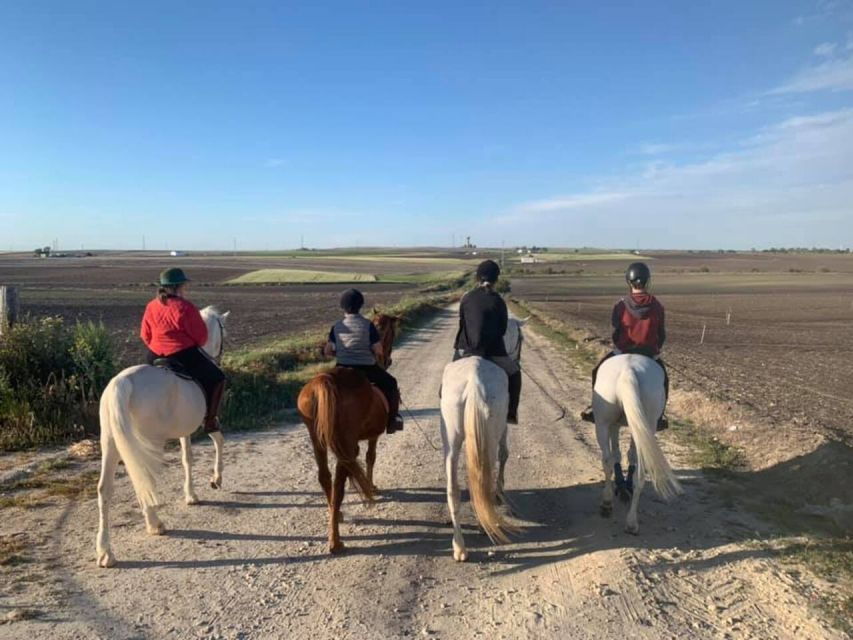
{"x":142,"y":458}
{"x":651,"y":460}
{"x":327,"y":428}
{"x":480,"y":453}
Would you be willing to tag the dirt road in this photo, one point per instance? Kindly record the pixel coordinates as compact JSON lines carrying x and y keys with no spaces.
{"x":251,"y":561}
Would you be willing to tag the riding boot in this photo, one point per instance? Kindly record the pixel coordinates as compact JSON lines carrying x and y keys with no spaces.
{"x":395,"y":420}
{"x":514,"y":397}
{"x":211,"y":420}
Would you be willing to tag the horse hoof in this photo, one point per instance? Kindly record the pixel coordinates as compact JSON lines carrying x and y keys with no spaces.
{"x":216,"y":484}
{"x":606,"y":510}
{"x":376,"y":490}
{"x":158,"y":530}
{"x":633,"y":530}
{"x":191,"y":500}
{"x":335,"y":549}
{"x":106,"y":560}
{"x":460,"y":555}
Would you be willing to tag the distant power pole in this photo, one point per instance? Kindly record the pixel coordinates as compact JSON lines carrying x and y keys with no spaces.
{"x":302,"y":242}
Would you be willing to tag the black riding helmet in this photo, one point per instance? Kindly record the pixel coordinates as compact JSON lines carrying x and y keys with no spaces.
{"x":352,"y":301}
{"x":488,"y":271}
{"x":638,"y":275}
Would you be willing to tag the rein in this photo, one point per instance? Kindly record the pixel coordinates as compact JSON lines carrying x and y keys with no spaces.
{"x":563,"y":410}
{"x":418,"y":425}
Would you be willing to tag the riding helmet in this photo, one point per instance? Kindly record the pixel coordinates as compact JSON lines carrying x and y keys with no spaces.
{"x":352,"y":301}
{"x":638,"y":275}
{"x":488,"y":271}
{"x":173,"y":277}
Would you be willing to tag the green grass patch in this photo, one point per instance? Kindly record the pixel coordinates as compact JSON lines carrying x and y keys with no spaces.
{"x":707,"y":451}
{"x":574,"y":343}
{"x":300,"y":276}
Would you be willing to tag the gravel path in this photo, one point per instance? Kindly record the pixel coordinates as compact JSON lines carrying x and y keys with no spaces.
{"x":251,"y":561}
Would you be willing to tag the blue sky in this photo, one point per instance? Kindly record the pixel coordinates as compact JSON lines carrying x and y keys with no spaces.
{"x":653,"y":124}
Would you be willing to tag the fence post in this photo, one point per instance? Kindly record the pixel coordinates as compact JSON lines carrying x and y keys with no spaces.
{"x":8,"y":307}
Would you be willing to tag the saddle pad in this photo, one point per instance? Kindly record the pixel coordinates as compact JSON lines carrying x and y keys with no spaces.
{"x":378,"y":392}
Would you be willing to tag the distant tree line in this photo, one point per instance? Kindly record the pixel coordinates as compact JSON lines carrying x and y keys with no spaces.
{"x":803,"y":250}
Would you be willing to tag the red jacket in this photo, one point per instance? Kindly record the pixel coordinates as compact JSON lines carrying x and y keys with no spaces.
{"x":638,"y":324}
{"x":172,"y":327}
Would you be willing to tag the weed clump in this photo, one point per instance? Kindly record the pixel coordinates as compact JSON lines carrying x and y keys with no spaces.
{"x":51,"y":378}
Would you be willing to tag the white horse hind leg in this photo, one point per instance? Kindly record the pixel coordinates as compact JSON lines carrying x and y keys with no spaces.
{"x":632,"y":524}
{"x":187,"y":458}
{"x":503,"y":456}
{"x":109,"y":462}
{"x":602,"y":433}
{"x":218,"y":441}
{"x":452,"y":439}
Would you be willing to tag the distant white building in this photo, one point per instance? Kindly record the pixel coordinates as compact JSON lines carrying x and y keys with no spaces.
{"x":530,"y":259}
{"x":177,"y":254}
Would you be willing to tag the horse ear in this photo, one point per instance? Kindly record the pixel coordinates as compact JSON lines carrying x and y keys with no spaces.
{"x":225,"y":315}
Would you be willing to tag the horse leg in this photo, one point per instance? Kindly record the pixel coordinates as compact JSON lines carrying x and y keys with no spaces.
{"x":371,"y":460}
{"x":632,"y":524}
{"x":503,"y":456}
{"x":603,"y":434}
{"x":109,"y":462}
{"x":335,"y":544}
{"x":218,"y":441}
{"x":454,"y":499}
{"x":187,"y":459}
{"x":632,"y":467}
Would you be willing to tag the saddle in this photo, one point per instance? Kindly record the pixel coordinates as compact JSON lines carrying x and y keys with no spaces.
{"x":175,"y":367}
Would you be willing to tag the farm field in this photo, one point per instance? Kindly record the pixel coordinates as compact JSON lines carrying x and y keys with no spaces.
{"x":301,"y":295}
{"x":785,"y":352}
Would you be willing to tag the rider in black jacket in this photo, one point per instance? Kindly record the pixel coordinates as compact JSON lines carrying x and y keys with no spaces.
{"x":483,"y":321}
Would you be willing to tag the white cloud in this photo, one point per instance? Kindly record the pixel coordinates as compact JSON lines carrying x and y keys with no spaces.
{"x":825,"y":49}
{"x":655,"y":148}
{"x":790,"y":183}
{"x":835,"y":74}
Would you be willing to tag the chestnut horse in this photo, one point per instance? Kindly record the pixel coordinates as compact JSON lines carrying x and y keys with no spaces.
{"x":340,"y":407}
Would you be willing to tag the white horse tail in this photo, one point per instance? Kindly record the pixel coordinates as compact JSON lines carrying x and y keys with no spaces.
{"x":651,"y":460}
{"x":480,"y":453}
{"x":142,"y":458}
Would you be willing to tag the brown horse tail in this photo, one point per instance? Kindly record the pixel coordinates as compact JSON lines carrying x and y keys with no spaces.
{"x":328,"y":433}
{"x":480,"y":453}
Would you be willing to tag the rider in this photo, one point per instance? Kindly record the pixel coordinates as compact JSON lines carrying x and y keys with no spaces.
{"x":483,"y":319}
{"x":173,"y":328}
{"x":355,"y":343}
{"x":638,"y":327}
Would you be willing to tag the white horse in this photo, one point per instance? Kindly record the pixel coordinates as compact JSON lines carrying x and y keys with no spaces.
{"x":474,"y":403}
{"x":632,"y":386}
{"x":141,"y":408}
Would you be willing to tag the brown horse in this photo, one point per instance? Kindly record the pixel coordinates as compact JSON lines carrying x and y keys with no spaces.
{"x":340,"y":407}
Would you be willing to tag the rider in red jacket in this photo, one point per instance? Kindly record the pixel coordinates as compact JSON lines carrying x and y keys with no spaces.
{"x":638,"y":327}
{"x":173,"y":329}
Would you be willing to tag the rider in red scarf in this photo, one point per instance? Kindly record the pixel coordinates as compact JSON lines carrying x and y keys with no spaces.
{"x":638,"y":327}
{"x":173,"y":329}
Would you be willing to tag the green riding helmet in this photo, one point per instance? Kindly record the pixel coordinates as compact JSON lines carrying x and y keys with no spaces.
{"x":173,"y":277}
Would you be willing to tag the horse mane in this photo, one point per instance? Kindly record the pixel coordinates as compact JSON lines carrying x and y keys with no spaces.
{"x":211,"y":310}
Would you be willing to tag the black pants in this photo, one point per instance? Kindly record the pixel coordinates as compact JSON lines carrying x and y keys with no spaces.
{"x":385,"y":381}
{"x":198,"y":365}
{"x":658,"y":360}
